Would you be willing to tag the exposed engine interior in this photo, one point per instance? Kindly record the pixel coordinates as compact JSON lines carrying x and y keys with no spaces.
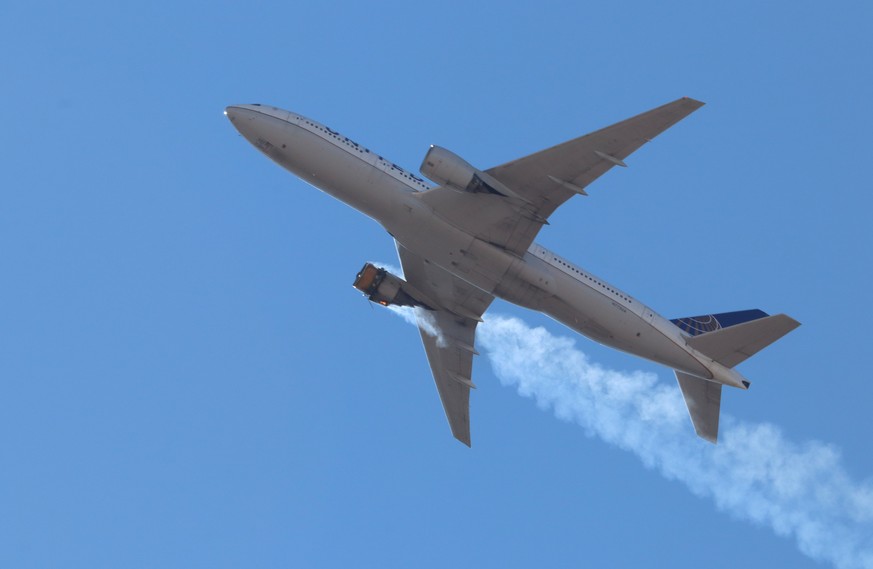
{"x":385,"y":288}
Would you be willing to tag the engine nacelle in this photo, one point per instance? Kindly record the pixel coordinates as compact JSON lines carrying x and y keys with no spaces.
{"x":385,"y":288}
{"x":448,"y":169}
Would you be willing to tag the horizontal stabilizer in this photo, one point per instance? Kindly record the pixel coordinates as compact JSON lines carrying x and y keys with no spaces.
{"x":732,"y":346}
{"x":703,"y":399}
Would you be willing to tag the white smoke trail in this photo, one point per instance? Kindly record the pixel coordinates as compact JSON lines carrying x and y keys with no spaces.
{"x":755,"y":473}
{"x":421,"y":318}
{"x":416,"y":316}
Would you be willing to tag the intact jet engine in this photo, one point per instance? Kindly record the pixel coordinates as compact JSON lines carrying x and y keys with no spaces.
{"x":448,"y":169}
{"x":451,"y":171}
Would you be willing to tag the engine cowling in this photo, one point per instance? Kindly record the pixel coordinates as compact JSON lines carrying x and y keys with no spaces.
{"x":386,"y":288}
{"x":448,"y":169}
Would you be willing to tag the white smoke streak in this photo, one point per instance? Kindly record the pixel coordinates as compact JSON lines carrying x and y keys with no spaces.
{"x":754,"y":473}
{"x":418,"y":317}
{"x":421,"y":318}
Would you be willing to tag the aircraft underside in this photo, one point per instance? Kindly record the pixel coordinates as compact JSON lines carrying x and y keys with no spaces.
{"x":471,"y":239}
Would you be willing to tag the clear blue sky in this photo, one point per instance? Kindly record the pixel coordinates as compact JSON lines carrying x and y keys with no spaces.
{"x":188,"y":379}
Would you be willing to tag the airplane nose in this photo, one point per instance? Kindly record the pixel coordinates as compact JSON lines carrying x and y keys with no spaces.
{"x":260,"y":126}
{"x":245,"y":121}
{"x":232,"y":113}
{"x":244,"y":116}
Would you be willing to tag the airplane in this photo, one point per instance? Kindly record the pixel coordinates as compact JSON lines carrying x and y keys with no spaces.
{"x":470,"y":239}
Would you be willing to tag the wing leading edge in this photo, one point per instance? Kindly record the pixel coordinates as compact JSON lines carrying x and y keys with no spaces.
{"x":448,"y":334}
{"x":550,"y":177}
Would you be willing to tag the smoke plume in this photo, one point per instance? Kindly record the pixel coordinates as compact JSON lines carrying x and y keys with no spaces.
{"x":416,"y":316}
{"x":421,"y":318}
{"x":755,"y":473}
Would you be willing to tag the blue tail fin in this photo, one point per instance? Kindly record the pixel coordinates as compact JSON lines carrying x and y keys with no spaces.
{"x":696,"y":325}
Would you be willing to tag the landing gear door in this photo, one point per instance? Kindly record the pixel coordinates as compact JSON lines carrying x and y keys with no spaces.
{"x":647,"y":314}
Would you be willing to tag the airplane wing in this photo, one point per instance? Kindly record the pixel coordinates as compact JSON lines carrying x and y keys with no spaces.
{"x":448,"y":334}
{"x":544,"y":180}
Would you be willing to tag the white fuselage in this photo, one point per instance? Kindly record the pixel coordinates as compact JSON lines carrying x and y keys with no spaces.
{"x":541,"y":280}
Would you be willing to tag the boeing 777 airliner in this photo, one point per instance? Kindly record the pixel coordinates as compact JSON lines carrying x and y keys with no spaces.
{"x":471,"y":238}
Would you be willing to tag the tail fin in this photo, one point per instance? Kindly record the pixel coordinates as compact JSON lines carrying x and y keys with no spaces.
{"x":728,"y":339}
{"x":703,"y":399}
{"x":696,"y":325}
{"x":735,"y":344}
